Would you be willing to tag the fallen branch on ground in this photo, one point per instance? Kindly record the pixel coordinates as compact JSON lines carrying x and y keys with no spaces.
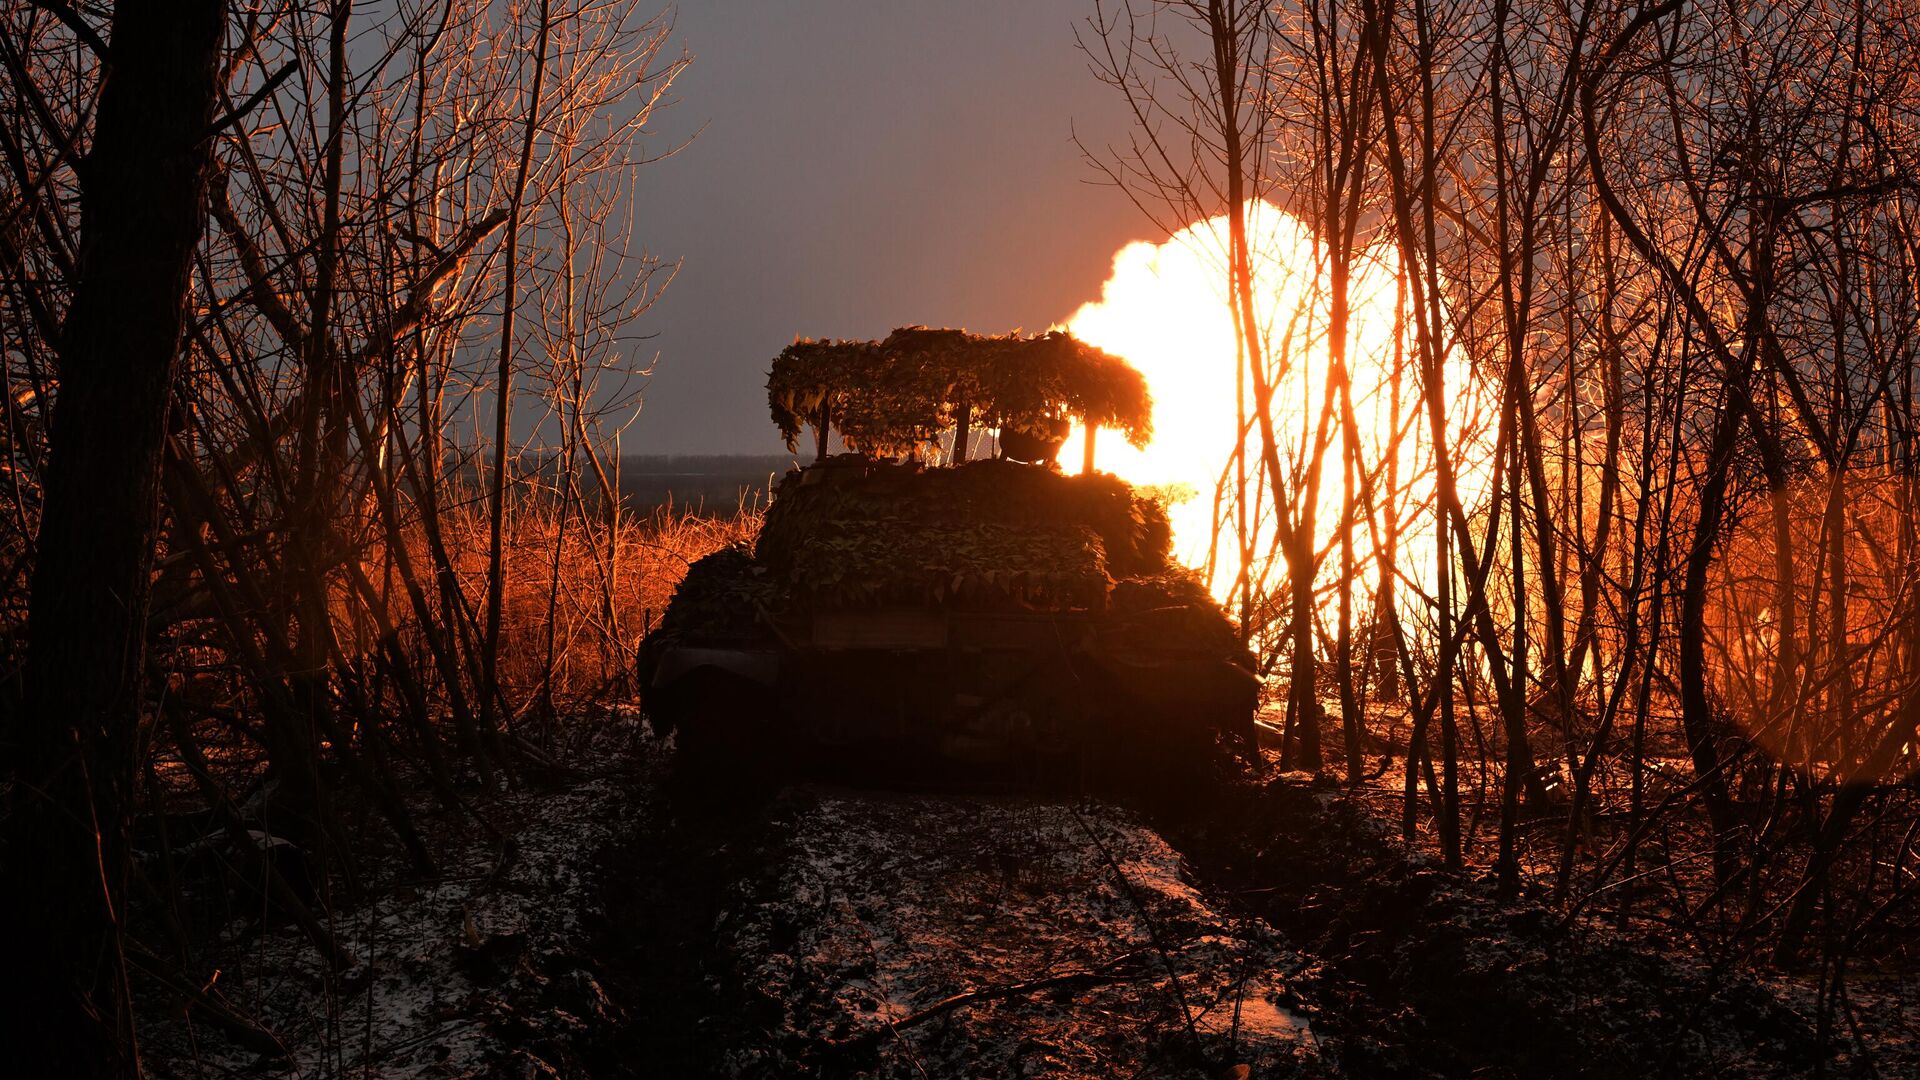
{"x":1121,"y":968}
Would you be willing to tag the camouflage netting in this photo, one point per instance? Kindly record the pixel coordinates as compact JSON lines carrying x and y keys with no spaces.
{"x":898,"y":560}
{"x":861,"y":532}
{"x":989,"y":537}
{"x":718,"y":603}
{"x":984,"y":536}
{"x":1173,"y":607}
{"x":895,"y":398}
{"x":1134,"y":538}
{"x":720,"y":600}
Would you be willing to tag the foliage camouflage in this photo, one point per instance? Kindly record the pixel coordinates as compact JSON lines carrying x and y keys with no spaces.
{"x":721,"y":598}
{"x":986,"y":535}
{"x":895,"y":397}
{"x":720,"y":602}
{"x":809,"y":374}
{"x":857,"y":541}
{"x":856,"y":533}
{"x":1031,"y":380}
{"x":904,"y":560}
{"x":1134,"y":536}
{"x":1173,"y":606}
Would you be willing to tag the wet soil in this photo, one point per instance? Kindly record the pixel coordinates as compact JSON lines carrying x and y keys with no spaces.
{"x":794,"y":933}
{"x":799,"y":929}
{"x":654,"y":942}
{"x":1419,"y":972}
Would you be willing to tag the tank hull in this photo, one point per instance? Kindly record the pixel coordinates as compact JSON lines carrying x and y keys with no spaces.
{"x":990,"y":621}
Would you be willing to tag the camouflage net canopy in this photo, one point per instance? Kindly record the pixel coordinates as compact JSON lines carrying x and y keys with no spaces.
{"x":861,"y":531}
{"x":894,"y":398}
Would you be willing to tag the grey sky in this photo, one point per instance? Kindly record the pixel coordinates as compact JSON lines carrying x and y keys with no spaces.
{"x":863,"y":165}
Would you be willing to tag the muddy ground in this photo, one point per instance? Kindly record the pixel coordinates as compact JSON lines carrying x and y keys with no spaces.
{"x":1274,"y":927}
{"x":887,"y":934}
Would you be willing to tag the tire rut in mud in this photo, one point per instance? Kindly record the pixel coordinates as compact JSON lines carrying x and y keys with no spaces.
{"x":663,"y":892}
{"x":841,"y":932}
{"x":1402,"y":970}
{"x":1418,"y":972}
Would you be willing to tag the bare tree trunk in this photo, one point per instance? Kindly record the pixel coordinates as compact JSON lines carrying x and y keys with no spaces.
{"x":1515,"y":708}
{"x":1696,"y":708}
{"x":1383,"y":643}
{"x":143,"y":201}
{"x":1225,"y":24}
{"x":320,"y":457}
{"x":503,"y":398}
{"x":1343,"y":643}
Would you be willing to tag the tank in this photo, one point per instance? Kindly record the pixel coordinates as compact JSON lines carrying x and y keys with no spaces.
{"x":986,"y":620}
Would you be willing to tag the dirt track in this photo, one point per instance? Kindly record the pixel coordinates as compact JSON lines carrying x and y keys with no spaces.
{"x":902,"y":934}
{"x":818,"y":931}
{"x":858,"y":933}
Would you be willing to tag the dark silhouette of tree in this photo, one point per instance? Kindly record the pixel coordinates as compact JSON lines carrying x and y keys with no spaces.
{"x":143,"y":185}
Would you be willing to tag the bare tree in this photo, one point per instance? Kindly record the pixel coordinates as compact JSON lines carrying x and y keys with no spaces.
{"x":142,"y":179}
{"x":299,"y":502}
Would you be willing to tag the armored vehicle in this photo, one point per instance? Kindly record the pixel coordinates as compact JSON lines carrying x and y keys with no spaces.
{"x":908,"y":612}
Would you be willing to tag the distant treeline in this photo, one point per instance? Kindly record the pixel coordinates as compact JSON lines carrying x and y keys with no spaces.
{"x":703,"y":483}
{"x":713,"y":482}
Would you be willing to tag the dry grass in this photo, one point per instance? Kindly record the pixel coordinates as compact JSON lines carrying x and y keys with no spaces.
{"x":612,"y":584}
{"x":580,"y":591}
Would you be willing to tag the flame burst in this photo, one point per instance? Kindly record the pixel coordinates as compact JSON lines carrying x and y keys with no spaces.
{"x":1164,"y":309}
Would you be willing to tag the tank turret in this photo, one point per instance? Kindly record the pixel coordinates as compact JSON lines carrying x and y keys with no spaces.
{"x":905,"y":609}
